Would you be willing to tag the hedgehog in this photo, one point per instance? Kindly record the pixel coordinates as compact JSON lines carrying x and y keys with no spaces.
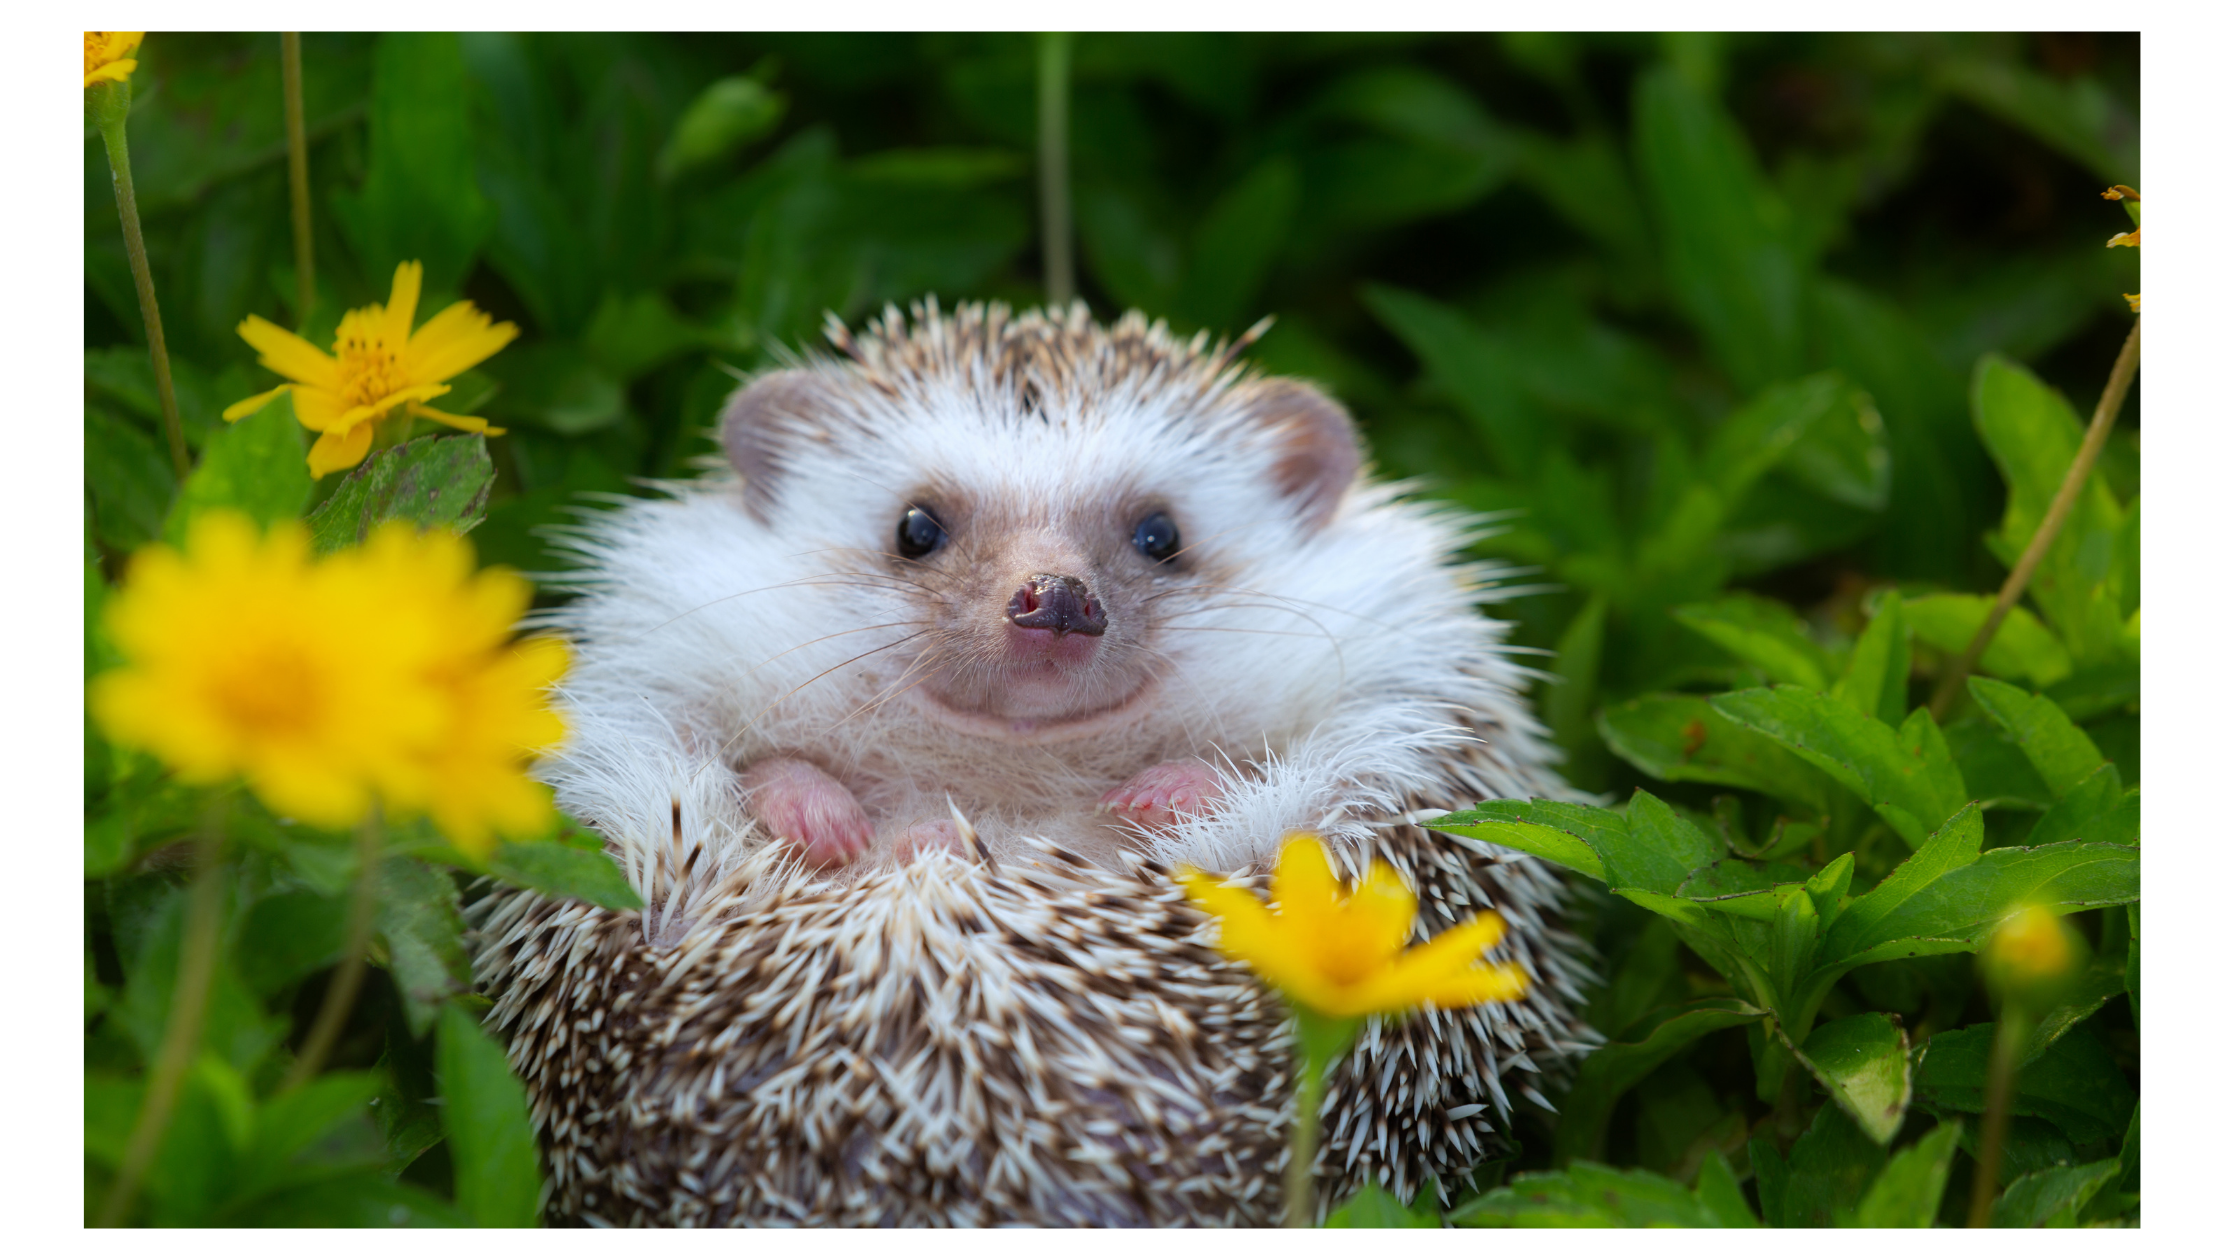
{"x":901,"y":720}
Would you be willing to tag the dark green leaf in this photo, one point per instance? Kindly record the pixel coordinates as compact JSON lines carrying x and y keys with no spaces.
{"x":2074,"y":1083}
{"x":1993,"y":766}
{"x":2051,"y":1198}
{"x":254,"y":466}
{"x":2075,"y":115}
{"x":1830,"y":1169}
{"x":2102,"y":980}
{"x":557,"y":870}
{"x":289,"y":935}
{"x":557,"y":387}
{"x":728,"y":115}
{"x":420,"y":200}
{"x":631,"y":336}
{"x":1566,"y":700}
{"x":1762,"y":633}
{"x":1617,"y":1066}
{"x":419,"y":931}
{"x":1235,"y":245}
{"x":1660,"y":848}
{"x":361,"y":1200}
{"x":486,"y":1114}
{"x":1718,"y":1191}
{"x":1455,"y":354}
{"x":1684,"y":739}
{"x":2064,"y":756}
{"x":1907,"y":1193}
{"x":130,"y":478}
{"x":432,"y":483}
{"x":2023,"y":647}
{"x":1772,"y":1173}
{"x":2099,"y":810}
{"x":1592,"y":1196}
{"x":1874,"y":682}
{"x":1913,"y":788}
{"x":1862,"y":1062}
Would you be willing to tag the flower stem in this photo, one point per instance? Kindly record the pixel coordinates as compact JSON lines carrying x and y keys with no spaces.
{"x":342,"y":989}
{"x":182,"y":1029}
{"x":1052,"y":71}
{"x":1306,"y":1139}
{"x":2057,"y":513}
{"x":1998,"y":1101}
{"x":111,"y":122}
{"x":299,"y":171}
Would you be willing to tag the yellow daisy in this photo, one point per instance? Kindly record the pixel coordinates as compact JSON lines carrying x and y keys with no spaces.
{"x":1345,"y":956}
{"x":109,"y":55}
{"x":380,"y":366}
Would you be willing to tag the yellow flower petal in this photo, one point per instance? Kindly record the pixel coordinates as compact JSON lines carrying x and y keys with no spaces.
{"x":457,"y":338}
{"x":380,"y":408}
{"x":2130,"y":238}
{"x":253,"y":404}
{"x":319,"y":410}
{"x":289,"y":355}
{"x":472,"y":424}
{"x":117,"y":70}
{"x":404,"y":302}
{"x":335,"y":451}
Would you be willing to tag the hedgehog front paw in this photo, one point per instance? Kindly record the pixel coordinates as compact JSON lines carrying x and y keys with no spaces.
{"x":1161,"y":796}
{"x":936,"y":835}
{"x":804,"y":808}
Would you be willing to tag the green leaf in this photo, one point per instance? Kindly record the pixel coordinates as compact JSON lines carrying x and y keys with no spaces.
{"x":1722,"y":231}
{"x":1997,"y":774}
{"x":632,"y":336}
{"x":1874,"y":682}
{"x":1862,"y":1062}
{"x":1660,"y":849}
{"x":2075,"y":1084}
{"x":728,"y":115}
{"x":130,"y":478}
{"x":362,"y":1200}
{"x":557,"y":387}
{"x":420,"y":200}
{"x":1913,"y":788}
{"x":1617,"y":1066}
{"x":2098,"y":810}
{"x":1455,"y":354}
{"x":289,"y":935}
{"x":1592,"y":1196}
{"x":1773,"y":427}
{"x":1717,"y":1190}
{"x":1762,"y":633}
{"x":2102,"y":980}
{"x":1236,"y":244}
{"x":418,"y":927}
{"x":1911,"y":1186}
{"x":1829,"y":1171}
{"x":254,"y":466}
{"x":432,"y":483}
{"x":1563,"y":833}
{"x":1568,"y":698}
{"x":486,"y":1114}
{"x":2064,"y":756}
{"x":557,"y":870}
{"x":2051,"y":1199}
{"x":2023,"y":647}
{"x":2075,"y":115}
{"x":1772,"y":1173}
{"x":1684,"y":739}
{"x":1373,"y":1207}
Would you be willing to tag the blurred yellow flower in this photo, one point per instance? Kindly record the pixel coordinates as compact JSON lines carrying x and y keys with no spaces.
{"x":2032,"y":946}
{"x":109,"y":55}
{"x":380,"y":670}
{"x":2124,"y":192}
{"x":1343,"y":955}
{"x":379,"y":367}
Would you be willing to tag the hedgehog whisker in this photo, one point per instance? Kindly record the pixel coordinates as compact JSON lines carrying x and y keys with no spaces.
{"x":821,"y":579}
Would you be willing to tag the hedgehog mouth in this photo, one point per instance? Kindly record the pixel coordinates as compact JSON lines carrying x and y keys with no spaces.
{"x":1054,"y":729}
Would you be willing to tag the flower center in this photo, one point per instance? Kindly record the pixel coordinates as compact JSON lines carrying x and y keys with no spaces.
{"x":370,"y":368}
{"x":272,"y":694}
{"x":97,"y":50}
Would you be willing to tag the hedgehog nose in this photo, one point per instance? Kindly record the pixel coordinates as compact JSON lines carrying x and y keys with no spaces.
{"x":1062,"y":605}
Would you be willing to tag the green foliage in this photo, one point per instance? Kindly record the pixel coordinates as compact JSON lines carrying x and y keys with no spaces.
{"x":1742,"y":342}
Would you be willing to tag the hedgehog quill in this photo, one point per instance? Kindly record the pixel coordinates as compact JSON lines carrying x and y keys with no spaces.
{"x":900,"y":722}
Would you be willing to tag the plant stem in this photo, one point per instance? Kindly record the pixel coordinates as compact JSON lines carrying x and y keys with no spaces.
{"x":1306,"y":1139}
{"x":1998,"y":1101}
{"x":136,"y":249}
{"x":342,"y":989}
{"x":1052,"y":70}
{"x":182,"y":1029}
{"x":299,"y":171}
{"x":2057,"y":513}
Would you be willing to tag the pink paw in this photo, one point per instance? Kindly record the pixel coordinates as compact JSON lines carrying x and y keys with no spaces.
{"x":931,"y":836}
{"x":803,"y":807}
{"x":1160,"y":796}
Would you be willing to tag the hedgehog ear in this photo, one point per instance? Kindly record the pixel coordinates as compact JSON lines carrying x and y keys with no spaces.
{"x":1317,"y":455}
{"x":754,"y":426}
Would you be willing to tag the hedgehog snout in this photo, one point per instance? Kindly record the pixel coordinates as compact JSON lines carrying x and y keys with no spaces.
{"x":1060,"y":605}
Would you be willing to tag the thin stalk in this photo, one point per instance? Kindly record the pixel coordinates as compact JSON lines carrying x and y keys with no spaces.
{"x":1053,"y":69}
{"x":342,"y":989}
{"x":1998,"y":1101}
{"x":1306,"y":1139}
{"x":182,"y":1029}
{"x":299,"y":170}
{"x":2057,"y":514}
{"x":111,"y":123}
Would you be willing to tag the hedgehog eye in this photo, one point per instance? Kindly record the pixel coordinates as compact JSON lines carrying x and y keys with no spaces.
{"x":1157,"y":537}
{"x":918,"y":534}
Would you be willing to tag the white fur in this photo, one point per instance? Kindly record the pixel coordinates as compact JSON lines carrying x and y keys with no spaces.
{"x":1323,"y":692}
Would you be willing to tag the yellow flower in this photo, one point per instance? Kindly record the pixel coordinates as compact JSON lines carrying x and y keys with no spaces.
{"x":109,"y":55}
{"x":2124,"y":192}
{"x":381,"y":670}
{"x":2033,"y":945}
{"x":380,"y":366}
{"x":1342,"y":956}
